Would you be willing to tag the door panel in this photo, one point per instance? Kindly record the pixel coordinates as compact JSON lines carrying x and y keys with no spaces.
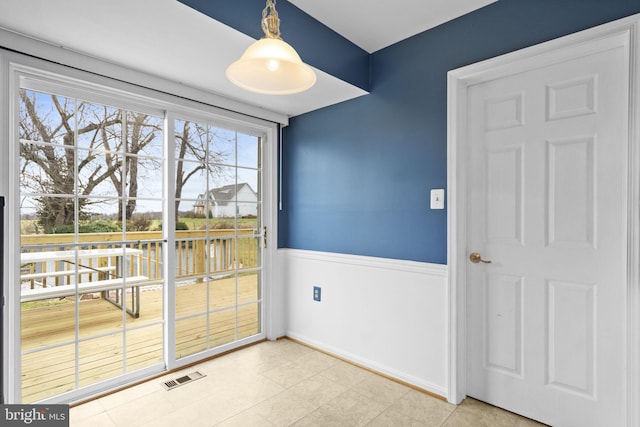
{"x":547,"y":201}
{"x":219,"y":263}
{"x":504,"y":189}
{"x":571,"y":209}
{"x":503,"y":323}
{"x":88,"y":179}
{"x":571,"y":337}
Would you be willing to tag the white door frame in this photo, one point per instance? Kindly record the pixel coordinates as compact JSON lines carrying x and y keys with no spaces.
{"x":624,"y":32}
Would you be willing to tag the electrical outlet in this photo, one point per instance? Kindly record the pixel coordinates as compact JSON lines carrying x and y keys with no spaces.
{"x":317,"y":293}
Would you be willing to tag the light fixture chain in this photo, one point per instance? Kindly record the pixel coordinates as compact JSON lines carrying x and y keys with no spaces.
{"x":270,"y":20}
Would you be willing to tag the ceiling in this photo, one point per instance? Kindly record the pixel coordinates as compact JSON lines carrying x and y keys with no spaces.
{"x":376,"y":24}
{"x":168,"y":39}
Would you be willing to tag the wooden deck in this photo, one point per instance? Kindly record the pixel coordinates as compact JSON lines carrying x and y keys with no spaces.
{"x":100,"y":352}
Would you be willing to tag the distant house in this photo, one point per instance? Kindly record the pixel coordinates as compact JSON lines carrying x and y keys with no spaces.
{"x":228,"y":201}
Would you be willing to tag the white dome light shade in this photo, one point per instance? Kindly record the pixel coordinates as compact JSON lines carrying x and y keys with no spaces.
{"x":271,"y":66}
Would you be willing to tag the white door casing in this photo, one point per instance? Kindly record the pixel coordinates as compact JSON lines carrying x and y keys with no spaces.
{"x":548,"y":232}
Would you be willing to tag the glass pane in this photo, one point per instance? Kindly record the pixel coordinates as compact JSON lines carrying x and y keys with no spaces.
{"x":143,"y":164}
{"x":49,"y":215}
{"x":145,"y":222}
{"x":100,"y":359}
{"x":144,"y":347}
{"x":41,"y":380}
{"x":225,"y":257}
{"x":249,"y":287}
{"x":189,"y":253}
{"x":191,"y":336}
{"x":29,"y":219}
{"x":222,"y":293}
{"x":144,"y":135}
{"x":151,"y":305}
{"x":248,"y":151}
{"x":190,"y":182}
{"x":222,"y":147}
{"x":46,"y":118}
{"x":152,"y":260}
{"x":248,"y":249}
{"x":46,"y":322}
{"x":147,"y":177}
{"x":191,"y":297}
{"x":96,"y":174}
{"x":248,"y":320}
{"x":222,"y":179}
{"x":192,"y":140}
{"x":248,"y":185}
{"x":222,"y":327}
{"x":37,"y":175}
{"x":99,"y":128}
{"x":101,"y":215}
{"x":220,"y":249}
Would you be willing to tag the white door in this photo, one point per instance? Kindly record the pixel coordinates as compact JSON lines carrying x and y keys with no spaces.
{"x":546,"y":331}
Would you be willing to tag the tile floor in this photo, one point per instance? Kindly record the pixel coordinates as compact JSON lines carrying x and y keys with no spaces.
{"x":283,"y":383}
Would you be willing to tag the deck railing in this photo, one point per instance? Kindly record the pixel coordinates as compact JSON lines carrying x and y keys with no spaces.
{"x":198,"y":254}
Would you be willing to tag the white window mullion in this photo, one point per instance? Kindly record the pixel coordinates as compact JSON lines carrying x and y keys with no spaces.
{"x":236,"y":255}
{"x":207,"y":188}
{"x":169,"y":235}
{"x":123,"y":212}
{"x":76,"y":217}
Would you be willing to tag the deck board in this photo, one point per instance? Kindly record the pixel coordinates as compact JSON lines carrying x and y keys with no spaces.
{"x":50,"y":372}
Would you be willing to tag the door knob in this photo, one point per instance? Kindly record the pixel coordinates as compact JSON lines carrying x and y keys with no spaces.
{"x":476,"y":258}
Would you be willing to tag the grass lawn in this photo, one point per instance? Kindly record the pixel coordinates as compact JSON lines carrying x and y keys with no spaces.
{"x":217,"y":223}
{"x":29,"y":226}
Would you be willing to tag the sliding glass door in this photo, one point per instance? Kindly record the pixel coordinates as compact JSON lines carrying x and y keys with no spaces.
{"x":112,"y":288}
{"x":218,"y":236}
{"x":90,"y":194}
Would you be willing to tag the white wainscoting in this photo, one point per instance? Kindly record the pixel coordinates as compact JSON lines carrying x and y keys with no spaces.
{"x":387,"y":315}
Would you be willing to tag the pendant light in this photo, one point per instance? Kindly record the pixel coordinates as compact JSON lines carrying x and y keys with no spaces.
{"x":270,"y":65}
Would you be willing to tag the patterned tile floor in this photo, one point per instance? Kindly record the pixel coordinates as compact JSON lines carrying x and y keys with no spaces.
{"x":283,"y":383}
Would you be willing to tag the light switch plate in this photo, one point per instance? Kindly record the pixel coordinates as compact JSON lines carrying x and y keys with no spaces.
{"x":437,"y":199}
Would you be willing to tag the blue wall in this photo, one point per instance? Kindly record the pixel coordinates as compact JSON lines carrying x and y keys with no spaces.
{"x":357,"y":175}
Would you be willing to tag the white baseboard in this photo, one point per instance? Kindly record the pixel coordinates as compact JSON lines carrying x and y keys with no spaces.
{"x":373,"y":366}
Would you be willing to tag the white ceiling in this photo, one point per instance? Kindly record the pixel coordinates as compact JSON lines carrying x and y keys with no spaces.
{"x":376,"y":24}
{"x":170,"y":40}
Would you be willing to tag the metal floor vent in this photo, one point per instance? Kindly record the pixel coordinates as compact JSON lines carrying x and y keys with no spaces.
{"x":177,"y":382}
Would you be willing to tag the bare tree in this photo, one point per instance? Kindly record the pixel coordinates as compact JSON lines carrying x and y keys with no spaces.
{"x":110,"y":144}
{"x":140,"y":131}
{"x":194,"y":142}
{"x":49,"y":169}
{"x":55,"y":170}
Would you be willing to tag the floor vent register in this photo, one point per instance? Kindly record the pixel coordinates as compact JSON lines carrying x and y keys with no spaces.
{"x":177,"y":382}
